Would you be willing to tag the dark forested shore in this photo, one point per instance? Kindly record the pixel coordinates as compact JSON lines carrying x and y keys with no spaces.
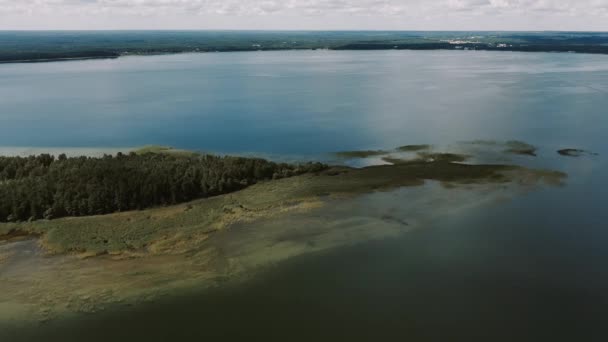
{"x":48,"y":187}
{"x":41,"y":46}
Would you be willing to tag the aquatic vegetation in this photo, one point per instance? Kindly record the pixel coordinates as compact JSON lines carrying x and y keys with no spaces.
{"x":443,"y":157}
{"x":166,"y":150}
{"x":360,"y":154}
{"x":482,"y":142}
{"x":519,"y":147}
{"x":11,"y":234}
{"x":133,"y":256}
{"x":511,"y":146}
{"x":425,"y":157}
{"x":572,"y":152}
{"x":3,"y":258}
{"x":413,"y":148}
{"x":162,"y":229}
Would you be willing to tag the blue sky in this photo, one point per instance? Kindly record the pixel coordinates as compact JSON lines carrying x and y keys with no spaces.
{"x":306,"y":14}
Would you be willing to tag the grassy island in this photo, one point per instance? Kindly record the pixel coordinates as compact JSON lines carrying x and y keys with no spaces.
{"x":46,"y":188}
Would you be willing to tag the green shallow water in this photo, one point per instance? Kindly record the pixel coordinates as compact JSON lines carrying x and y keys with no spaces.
{"x":527,"y":268}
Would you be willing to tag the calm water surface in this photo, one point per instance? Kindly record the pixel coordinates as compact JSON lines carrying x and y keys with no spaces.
{"x":531,"y":269}
{"x":306,"y":102}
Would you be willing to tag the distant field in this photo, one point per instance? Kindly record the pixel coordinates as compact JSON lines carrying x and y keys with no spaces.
{"x":33,"y":46}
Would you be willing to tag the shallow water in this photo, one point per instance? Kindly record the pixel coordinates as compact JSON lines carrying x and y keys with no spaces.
{"x":532,"y":267}
{"x":503,"y":270}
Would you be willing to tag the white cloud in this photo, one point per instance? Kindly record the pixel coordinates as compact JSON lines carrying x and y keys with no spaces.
{"x":313,"y":14}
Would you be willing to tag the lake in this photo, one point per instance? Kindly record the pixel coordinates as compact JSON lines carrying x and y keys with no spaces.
{"x":306,"y":102}
{"x":532,"y":268}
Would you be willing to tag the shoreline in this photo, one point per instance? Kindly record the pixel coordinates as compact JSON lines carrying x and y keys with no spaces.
{"x":98,"y":284}
{"x":58,"y":59}
{"x":567,"y":50}
{"x":128,"y":258}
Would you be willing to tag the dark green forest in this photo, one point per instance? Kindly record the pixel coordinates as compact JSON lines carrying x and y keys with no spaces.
{"x":30,"y":46}
{"x":45,"y":187}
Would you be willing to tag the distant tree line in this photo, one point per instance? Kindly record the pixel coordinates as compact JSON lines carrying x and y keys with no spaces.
{"x":548,"y":47}
{"x":10,"y":56}
{"x":56,"y":45}
{"x":45,"y":187}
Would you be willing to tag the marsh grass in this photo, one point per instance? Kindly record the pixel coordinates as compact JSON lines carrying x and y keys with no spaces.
{"x":177,"y":228}
{"x":413,"y":148}
{"x":360,"y":154}
{"x":521,"y":148}
{"x":573,"y":152}
{"x":165,"y":150}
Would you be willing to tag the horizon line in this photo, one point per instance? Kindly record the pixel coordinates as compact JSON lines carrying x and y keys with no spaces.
{"x":293,"y":30}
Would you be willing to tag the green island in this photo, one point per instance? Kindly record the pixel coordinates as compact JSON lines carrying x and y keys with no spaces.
{"x":40,"y":190}
{"x":42,"y":46}
{"x":131,"y":227}
{"x":43,"y":186}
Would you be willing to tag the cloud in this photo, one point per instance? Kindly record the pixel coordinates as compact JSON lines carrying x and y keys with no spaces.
{"x":380,"y":12}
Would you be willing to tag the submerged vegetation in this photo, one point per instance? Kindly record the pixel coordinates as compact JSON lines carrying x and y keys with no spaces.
{"x":165,"y":150}
{"x":376,"y":153}
{"x":46,"y":187}
{"x":413,"y":148}
{"x":160,"y":230}
{"x":573,"y":152}
{"x":425,"y":158}
{"x":126,"y":257}
{"x":360,"y":154}
{"x":522,"y":148}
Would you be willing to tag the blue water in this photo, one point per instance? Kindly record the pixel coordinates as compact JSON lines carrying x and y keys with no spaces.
{"x":530,"y":269}
{"x":306,"y":102}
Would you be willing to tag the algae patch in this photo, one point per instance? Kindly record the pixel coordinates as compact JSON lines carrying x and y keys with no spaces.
{"x":573,"y":152}
{"x":521,"y":148}
{"x":426,"y":157}
{"x":481,"y":142}
{"x":508,"y":147}
{"x":413,"y":148}
{"x":4,"y":256}
{"x":360,"y":154}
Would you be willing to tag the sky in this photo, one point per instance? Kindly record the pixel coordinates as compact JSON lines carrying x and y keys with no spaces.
{"x":575,"y":15}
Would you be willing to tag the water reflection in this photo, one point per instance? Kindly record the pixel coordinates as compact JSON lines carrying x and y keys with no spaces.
{"x":307,"y":102}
